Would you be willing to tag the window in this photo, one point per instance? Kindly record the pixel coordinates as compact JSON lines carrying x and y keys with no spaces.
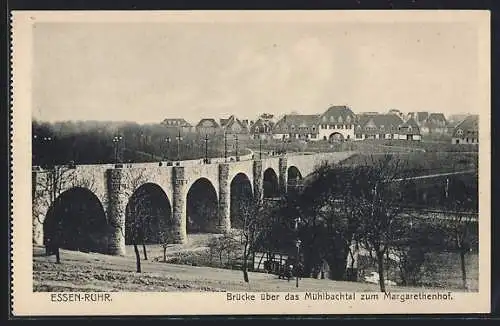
{"x":359,"y":136}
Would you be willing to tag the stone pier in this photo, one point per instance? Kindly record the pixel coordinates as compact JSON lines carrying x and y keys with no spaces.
{"x":224,"y":222}
{"x":179,"y":233}
{"x":117,"y":204}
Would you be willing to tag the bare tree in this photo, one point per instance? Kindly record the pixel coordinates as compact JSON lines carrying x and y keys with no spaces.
{"x":54,"y":180}
{"x":461,"y":220}
{"x":329,"y":202}
{"x":134,"y":178}
{"x":379,"y":207}
{"x":223,"y":246}
{"x":164,"y":241}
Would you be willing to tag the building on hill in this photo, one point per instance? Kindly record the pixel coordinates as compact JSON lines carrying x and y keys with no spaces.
{"x":207,"y":127}
{"x":177,"y":123}
{"x":262,"y":128}
{"x":296,"y":126}
{"x":467,"y":131}
{"x":409,"y":130}
{"x":337,"y":124}
{"x":377,"y":126}
{"x":233,"y":125}
{"x":435,"y":124}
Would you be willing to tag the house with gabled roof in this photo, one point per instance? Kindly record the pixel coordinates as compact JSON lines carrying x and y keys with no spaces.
{"x":262,"y":128}
{"x":207,"y":126}
{"x":435,"y":124}
{"x":296,"y":126}
{"x":467,"y":131}
{"x":337,"y":123}
{"x":409,"y":130}
{"x":233,"y":125}
{"x":377,"y":126}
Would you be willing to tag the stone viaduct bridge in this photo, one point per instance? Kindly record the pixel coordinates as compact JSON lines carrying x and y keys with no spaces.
{"x":88,"y":206}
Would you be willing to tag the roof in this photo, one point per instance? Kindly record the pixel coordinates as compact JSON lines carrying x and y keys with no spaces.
{"x":175,"y":122}
{"x":455,"y":119}
{"x":469,"y":126}
{"x":409,"y":127}
{"x":378,"y":123}
{"x":207,"y":123}
{"x":293,"y":121}
{"x":436,"y":120}
{"x":262,"y":125}
{"x":234,"y":124}
{"x":338,"y":114}
{"x":436,"y":116}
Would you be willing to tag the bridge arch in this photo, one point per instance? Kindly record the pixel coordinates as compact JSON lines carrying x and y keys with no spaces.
{"x":148,"y":216}
{"x":241,"y":200}
{"x":76,"y":221}
{"x":202,"y":209}
{"x":294,"y":178}
{"x":270,"y":184}
{"x":335,"y":137}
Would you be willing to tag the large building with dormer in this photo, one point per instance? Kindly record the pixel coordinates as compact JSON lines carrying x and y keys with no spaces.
{"x":377,"y":126}
{"x":337,"y":123}
{"x":297,"y":126}
{"x":178,"y":124}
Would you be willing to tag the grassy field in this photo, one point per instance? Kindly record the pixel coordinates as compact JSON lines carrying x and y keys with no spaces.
{"x":95,"y":272}
{"x":423,"y":162}
{"x":364,"y":146}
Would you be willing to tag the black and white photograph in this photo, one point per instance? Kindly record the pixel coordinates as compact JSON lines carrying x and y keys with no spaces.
{"x":274,"y":158}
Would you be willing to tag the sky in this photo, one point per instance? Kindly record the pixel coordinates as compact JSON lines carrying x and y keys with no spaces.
{"x":146,"y":72}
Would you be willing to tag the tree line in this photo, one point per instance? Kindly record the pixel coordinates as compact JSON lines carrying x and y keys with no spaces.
{"x":91,"y":142}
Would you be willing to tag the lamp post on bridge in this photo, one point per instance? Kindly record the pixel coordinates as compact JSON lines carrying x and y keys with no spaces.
{"x":206,"y":148}
{"x":116,"y":141}
{"x":47,"y":157}
{"x":179,"y":138}
{"x":168,"y":140}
